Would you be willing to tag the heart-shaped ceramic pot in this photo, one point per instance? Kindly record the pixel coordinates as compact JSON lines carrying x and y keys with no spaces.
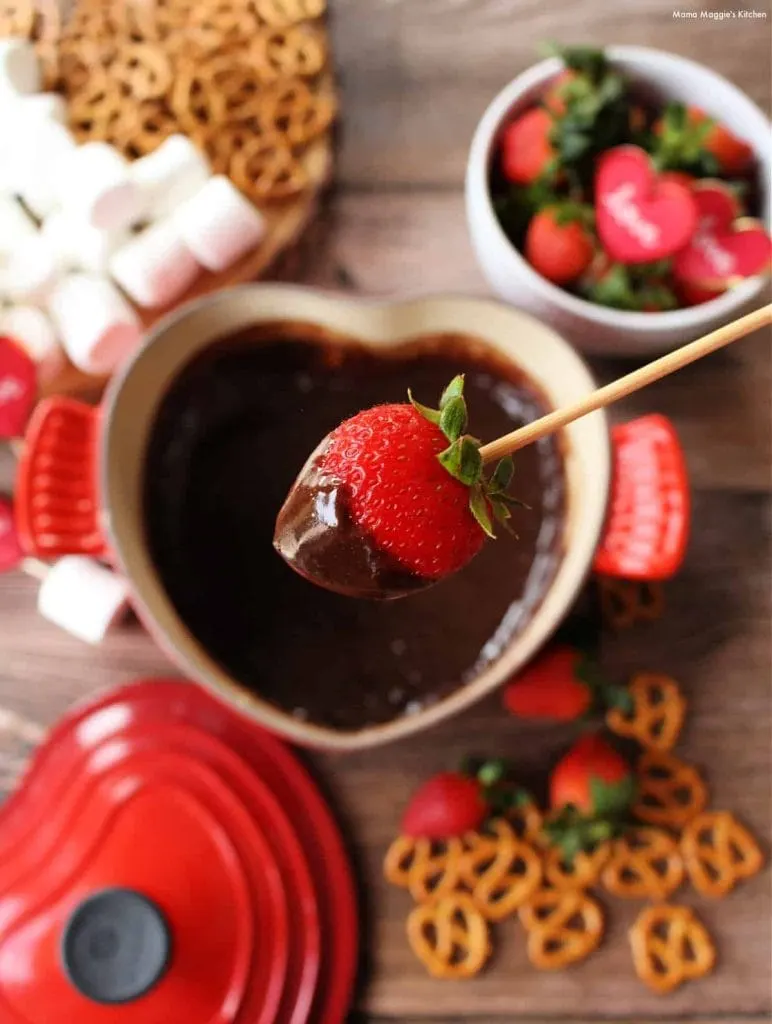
{"x":133,"y":400}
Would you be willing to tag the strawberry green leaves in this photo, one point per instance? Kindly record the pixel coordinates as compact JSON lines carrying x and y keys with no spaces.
{"x":488,"y":499}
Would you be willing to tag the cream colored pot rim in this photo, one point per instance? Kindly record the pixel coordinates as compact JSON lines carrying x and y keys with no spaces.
{"x":587,"y":462}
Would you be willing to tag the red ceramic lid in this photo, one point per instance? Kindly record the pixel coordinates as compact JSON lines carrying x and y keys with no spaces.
{"x":165,"y":855}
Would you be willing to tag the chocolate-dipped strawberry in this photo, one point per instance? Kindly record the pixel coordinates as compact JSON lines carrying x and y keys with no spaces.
{"x":393,"y":500}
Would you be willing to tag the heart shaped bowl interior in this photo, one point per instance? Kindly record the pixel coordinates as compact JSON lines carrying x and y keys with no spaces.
{"x":490,"y":330}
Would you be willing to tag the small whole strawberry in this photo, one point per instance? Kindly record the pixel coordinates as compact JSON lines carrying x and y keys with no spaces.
{"x":526,"y":150}
{"x":592,"y":779}
{"x":18,"y":388}
{"x":732,"y":154}
{"x":561,"y":685}
{"x":558,"y":244}
{"x":11,"y":553}
{"x":408,"y":489}
{"x":448,"y":804}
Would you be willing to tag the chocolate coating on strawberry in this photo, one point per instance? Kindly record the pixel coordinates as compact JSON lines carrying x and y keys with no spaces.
{"x":392,"y":501}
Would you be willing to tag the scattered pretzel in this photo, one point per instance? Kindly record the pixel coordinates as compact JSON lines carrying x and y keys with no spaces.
{"x":222,"y":21}
{"x":526,"y":821}
{"x":625,"y":602}
{"x":644,"y":864}
{"x":95,"y":107}
{"x":194,"y":104}
{"x":501,"y":871}
{"x":563,"y":927}
{"x":449,"y":936}
{"x":581,"y":872}
{"x":719,"y":852}
{"x":658,"y":712}
{"x":670,"y":945}
{"x":427,"y":868}
{"x":265,"y":169}
{"x":670,"y":792}
{"x":283,"y":53}
{"x":283,"y":13}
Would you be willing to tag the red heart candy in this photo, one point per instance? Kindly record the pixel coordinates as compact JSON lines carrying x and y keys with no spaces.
{"x":639,"y":217}
{"x":725,"y":249}
{"x":10,"y":549}
{"x":18,"y":388}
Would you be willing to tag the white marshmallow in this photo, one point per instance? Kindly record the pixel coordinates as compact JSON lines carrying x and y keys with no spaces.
{"x":83,"y":597}
{"x":218,"y":224}
{"x":33,"y":330}
{"x":95,"y":184}
{"x":35,"y":165}
{"x":78,"y":245}
{"x":154,"y":268}
{"x":171,"y":174}
{"x":19,"y":68}
{"x":97,"y":326}
{"x":29,"y":273}
{"x":45,"y":106}
{"x":15,"y":224}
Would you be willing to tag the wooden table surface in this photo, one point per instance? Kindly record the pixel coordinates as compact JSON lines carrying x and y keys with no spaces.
{"x":416,"y":74}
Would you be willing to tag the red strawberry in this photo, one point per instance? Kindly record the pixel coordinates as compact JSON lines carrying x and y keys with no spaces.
{"x":733,"y":155}
{"x":10,"y":549}
{"x":693,"y":295}
{"x":593,"y":779}
{"x":526,"y":150}
{"x":449,"y":804}
{"x":559,"y":250}
{"x":678,"y":178}
{"x":551,"y":687}
{"x":409,"y":500}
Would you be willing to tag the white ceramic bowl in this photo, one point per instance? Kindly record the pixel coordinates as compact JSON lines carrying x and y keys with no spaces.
{"x":594,"y":328}
{"x":134,"y":397}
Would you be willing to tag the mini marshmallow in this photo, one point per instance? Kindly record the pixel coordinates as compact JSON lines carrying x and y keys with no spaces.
{"x":32,"y":329}
{"x":95,"y":184}
{"x":79,"y":246}
{"x":45,"y":106}
{"x":15,"y":224}
{"x":154,"y":268}
{"x":83,"y":597}
{"x":171,"y":174}
{"x":19,"y":68}
{"x":30,"y":272}
{"x":218,"y":224}
{"x":97,"y":326}
{"x":35,"y":165}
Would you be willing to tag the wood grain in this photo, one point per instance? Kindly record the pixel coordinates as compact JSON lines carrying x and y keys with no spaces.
{"x":416,"y":75}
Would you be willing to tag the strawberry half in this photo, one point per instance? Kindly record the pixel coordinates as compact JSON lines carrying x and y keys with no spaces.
{"x":394,"y":498}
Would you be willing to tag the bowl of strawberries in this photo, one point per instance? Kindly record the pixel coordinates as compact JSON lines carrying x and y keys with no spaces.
{"x":623,"y":196}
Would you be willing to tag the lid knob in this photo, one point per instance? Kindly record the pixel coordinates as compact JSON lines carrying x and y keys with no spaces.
{"x":116,"y":946}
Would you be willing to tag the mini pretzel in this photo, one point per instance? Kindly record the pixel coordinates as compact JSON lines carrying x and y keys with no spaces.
{"x":143,"y":70}
{"x":644,"y":864}
{"x":284,"y":53}
{"x":292,"y":110}
{"x":195,"y":104}
{"x":658,"y":712}
{"x":93,"y":108}
{"x":526,"y":821}
{"x":670,"y":945}
{"x":140,"y":128}
{"x":502,"y":872}
{"x":625,"y":602}
{"x":563,"y":927}
{"x":17,"y":18}
{"x":266,"y":170}
{"x":581,"y":873}
{"x":283,"y":13}
{"x":236,"y":82}
{"x":427,"y":868}
{"x":719,"y":852}
{"x":223,"y":20}
{"x":160,"y":20}
{"x":449,"y":936}
{"x":670,"y":792}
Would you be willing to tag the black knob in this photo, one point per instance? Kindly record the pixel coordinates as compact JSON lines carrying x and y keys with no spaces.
{"x":116,"y":946}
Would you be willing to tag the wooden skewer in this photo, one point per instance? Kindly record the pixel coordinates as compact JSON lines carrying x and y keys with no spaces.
{"x":626,"y":385}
